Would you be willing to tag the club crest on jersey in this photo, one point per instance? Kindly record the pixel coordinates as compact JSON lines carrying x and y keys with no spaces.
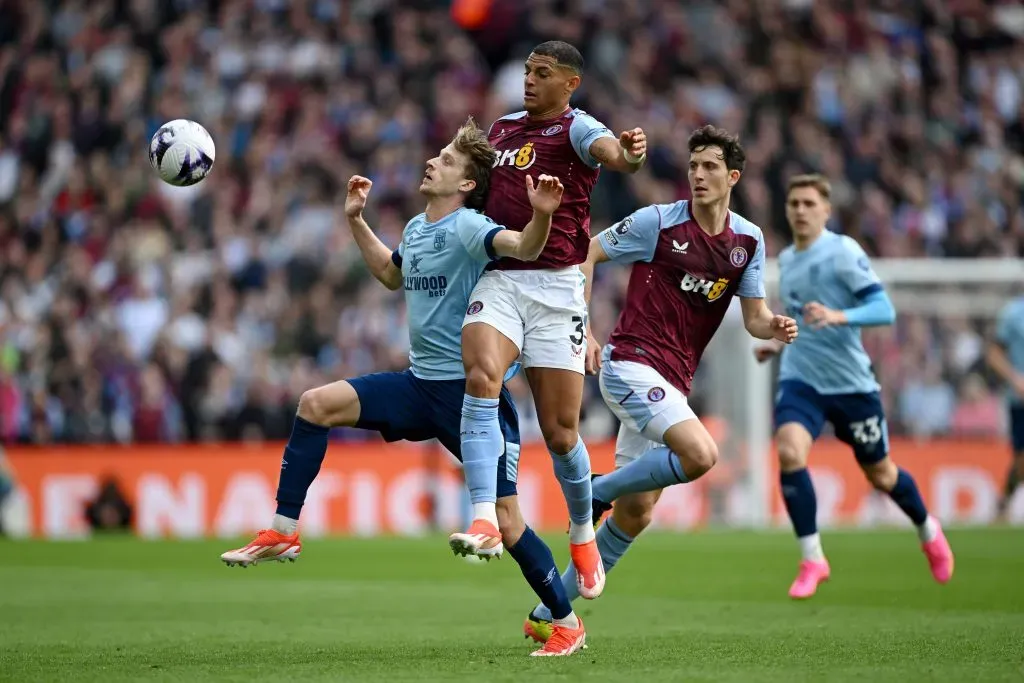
{"x":738,"y":256}
{"x":439,"y":238}
{"x":552,"y":130}
{"x":475,"y":308}
{"x":711,"y":289}
{"x":522,"y":158}
{"x":655,"y":394}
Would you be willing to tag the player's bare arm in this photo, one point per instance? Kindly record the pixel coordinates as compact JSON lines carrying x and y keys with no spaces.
{"x":625,"y":155}
{"x":545,"y":198}
{"x":596,"y":254}
{"x":1001,"y":365}
{"x":375,"y":253}
{"x":763,"y":324}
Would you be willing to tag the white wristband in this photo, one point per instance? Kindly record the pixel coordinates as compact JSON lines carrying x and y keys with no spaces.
{"x":633,"y":159}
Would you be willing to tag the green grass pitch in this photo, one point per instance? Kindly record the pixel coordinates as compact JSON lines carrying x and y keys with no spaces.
{"x":703,"y":607}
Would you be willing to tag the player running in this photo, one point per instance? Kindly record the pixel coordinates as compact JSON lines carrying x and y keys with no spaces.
{"x":535,"y":311}
{"x":1006,"y":358}
{"x":827,"y":376}
{"x":441,"y":256}
{"x":690,"y":259}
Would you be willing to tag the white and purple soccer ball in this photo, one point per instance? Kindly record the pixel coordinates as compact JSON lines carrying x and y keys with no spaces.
{"x":182,"y":152}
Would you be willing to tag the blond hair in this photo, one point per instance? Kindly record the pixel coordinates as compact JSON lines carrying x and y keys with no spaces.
{"x":471,"y":141}
{"x":815,"y":180}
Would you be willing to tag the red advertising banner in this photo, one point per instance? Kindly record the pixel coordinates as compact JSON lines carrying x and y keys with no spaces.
{"x":373,"y":488}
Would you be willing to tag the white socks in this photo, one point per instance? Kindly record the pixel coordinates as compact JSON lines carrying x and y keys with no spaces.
{"x":929,"y":530}
{"x":571,"y":621}
{"x":810,"y":548}
{"x":285,"y":525}
{"x":580,"y":533}
{"x":486,"y":511}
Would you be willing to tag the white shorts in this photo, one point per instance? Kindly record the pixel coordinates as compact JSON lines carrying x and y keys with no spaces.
{"x":644,"y":402}
{"x":542,"y":311}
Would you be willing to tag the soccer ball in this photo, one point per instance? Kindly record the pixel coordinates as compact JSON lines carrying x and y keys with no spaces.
{"x":182,"y":152}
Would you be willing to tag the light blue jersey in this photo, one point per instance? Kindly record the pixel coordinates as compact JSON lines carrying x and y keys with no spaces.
{"x":835,"y":272}
{"x":441,"y":263}
{"x":1010,"y":335}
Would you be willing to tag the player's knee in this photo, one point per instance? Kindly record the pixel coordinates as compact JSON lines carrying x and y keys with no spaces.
{"x":510,"y":520}
{"x":332,"y":405}
{"x":791,"y":456}
{"x":560,"y":439}
{"x":314,"y":406}
{"x":882,"y":475}
{"x":700,"y":458}
{"x":633,"y":514}
{"x":483,"y":379}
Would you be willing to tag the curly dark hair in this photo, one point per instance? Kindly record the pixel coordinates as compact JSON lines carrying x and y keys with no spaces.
{"x":710,"y":136}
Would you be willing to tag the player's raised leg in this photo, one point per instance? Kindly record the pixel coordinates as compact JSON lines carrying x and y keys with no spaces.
{"x":333,"y":405}
{"x":885,"y":476}
{"x":558,"y":394}
{"x":487,"y":354}
{"x":689,"y":453}
{"x":669,"y":444}
{"x":636,"y":485}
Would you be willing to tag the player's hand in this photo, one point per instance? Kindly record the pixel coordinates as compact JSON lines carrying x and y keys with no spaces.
{"x":358,"y":191}
{"x":593,"y":360}
{"x":546,"y":196}
{"x":784,"y":328}
{"x":634,"y":142}
{"x":1018,"y":385}
{"x":765,"y":352}
{"x":819,"y":316}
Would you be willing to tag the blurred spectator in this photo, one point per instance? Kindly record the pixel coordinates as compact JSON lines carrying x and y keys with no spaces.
{"x":131,"y":310}
{"x":927,"y":402}
{"x":980,"y":411}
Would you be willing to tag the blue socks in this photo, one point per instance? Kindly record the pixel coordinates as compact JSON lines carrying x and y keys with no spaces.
{"x":613,"y":543}
{"x":538,"y":567}
{"x":908,"y":497}
{"x":801,"y":502}
{"x":573,"y":473}
{"x":482,"y":446}
{"x":303,"y":456}
{"x":655,"y":469}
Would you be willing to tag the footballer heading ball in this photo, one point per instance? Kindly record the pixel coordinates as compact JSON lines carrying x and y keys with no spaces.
{"x":182,"y":152}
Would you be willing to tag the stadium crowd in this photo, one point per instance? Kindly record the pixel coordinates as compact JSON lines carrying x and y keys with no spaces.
{"x":131,"y":310}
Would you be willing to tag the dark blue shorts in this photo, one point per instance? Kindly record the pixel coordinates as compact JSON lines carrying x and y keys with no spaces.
{"x":1017,"y":428}
{"x":403,"y":407}
{"x":858,"y":419}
